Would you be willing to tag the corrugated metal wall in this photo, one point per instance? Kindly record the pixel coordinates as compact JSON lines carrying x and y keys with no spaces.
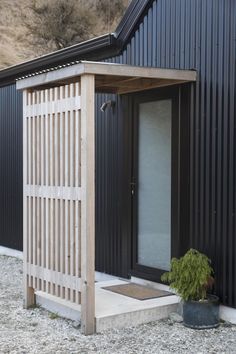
{"x":181,"y":34}
{"x":201,"y":34}
{"x":113,"y":176}
{"x":11,"y":193}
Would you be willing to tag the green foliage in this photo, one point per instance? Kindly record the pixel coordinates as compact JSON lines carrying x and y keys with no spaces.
{"x":53,"y":316}
{"x":190,"y":276}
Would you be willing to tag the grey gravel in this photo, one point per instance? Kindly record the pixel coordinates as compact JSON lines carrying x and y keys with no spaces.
{"x":175,"y":317}
{"x":33,"y":331}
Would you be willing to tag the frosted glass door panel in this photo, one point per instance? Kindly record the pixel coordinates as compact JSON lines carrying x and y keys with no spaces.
{"x":154,"y":184}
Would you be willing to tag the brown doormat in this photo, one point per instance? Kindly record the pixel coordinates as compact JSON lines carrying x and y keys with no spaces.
{"x":136,"y":291}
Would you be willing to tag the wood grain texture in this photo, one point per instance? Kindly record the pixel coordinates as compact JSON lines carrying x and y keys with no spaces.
{"x":52,"y":193}
{"x":88,"y":204}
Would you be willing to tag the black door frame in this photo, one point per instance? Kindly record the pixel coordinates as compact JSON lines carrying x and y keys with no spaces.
{"x":172,"y":93}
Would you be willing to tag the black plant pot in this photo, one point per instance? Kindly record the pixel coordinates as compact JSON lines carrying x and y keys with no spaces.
{"x":201,"y":314}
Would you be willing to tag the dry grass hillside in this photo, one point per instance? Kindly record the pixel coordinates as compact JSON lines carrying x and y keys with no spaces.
{"x":17,"y":46}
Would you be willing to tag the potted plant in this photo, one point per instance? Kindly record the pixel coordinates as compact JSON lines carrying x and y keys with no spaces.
{"x":191,"y":277}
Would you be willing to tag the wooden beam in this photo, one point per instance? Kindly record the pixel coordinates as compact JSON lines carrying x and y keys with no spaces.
{"x":101,"y":68}
{"x":88,"y":204}
{"x":136,"y":86}
{"x":103,"y":81}
{"x":152,"y":85}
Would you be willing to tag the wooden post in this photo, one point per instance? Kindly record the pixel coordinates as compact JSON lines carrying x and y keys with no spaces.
{"x":29,"y":298}
{"x":88,"y":204}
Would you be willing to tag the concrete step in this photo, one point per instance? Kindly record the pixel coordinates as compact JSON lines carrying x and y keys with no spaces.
{"x":135,"y":318}
{"x":118,"y":311}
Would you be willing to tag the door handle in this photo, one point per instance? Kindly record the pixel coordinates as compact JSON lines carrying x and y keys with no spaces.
{"x":132,"y":184}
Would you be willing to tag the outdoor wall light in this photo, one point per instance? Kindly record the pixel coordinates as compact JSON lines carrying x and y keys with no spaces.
{"x":107,"y":104}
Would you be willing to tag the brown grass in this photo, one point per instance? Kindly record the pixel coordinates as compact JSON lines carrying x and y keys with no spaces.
{"x":13,"y":45}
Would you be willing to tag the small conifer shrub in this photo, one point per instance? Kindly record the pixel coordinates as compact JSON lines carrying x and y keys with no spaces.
{"x":190,"y":276}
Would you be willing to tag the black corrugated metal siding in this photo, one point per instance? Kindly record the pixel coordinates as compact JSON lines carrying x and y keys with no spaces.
{"x":113,"y":176}
{"x":11,"y":193}
{"x":200,"y":34}
{"x":183,"y":34}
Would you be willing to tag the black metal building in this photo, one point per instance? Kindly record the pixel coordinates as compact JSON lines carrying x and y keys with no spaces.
{"x":179,"y":34}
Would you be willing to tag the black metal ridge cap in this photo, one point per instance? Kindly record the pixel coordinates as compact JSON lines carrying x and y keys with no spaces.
{"x":131,"y":18}
{"x":92,"y":46}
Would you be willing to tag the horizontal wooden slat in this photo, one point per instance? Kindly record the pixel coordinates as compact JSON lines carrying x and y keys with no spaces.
{"x":58,"y":278}
{"x":53,"y":192}
{"x":53,"y":107}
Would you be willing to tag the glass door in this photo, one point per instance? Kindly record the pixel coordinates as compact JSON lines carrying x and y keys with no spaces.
{"x":154,"y":184}
{"x":154,"y":174}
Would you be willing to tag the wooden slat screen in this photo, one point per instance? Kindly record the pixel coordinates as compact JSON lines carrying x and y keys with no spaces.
{"x":52,"y":191}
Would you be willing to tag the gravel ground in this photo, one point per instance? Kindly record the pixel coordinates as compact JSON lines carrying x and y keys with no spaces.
{"x":35,"y":331}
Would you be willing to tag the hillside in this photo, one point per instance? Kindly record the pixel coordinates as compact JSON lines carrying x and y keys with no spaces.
{"x":16,"y":45}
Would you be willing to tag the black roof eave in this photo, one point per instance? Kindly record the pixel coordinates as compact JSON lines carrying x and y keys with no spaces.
{"x":94,"y":48}
{"x":98,"y":48}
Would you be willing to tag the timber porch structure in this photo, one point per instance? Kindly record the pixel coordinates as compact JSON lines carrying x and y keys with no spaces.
{"x":59,"y":174}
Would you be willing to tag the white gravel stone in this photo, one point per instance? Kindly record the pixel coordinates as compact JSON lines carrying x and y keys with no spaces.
{"x":33,"y":331}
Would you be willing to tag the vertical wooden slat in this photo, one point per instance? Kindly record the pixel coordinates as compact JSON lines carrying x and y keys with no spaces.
{"x":77,"y":246}
{"x":46,"y":143}
{"x":66,"y":141}
{"x":38,"y":141}
{"x":42,"y":181}
{"x":67,"y":182}
{"x":33,"y":141}
{"x":88,"y":204}
{"x":51,"y":141}
{"x":67,"y":243}
{"x":61,"y":182}
{"x":62,"y":142}
{"x":47,"y":182}
{"x":33,"y":235}
{"x":47,"y":236}
{"x":42,"y":232}
{"x":52,"y":250}
{"x":72,"y":259}
{"x":29,"y":298}
{"x":33,"y":144}
{"x":71,"y":142}
{"x":71,"y":176}
{"x":51,"y":183}
{"x":38,"y":215}
{"x":77,"y":139}
{"x":42,"y":162}
{"x":77,"y":184}
{"x":62,"y":237}
{"x":57,"y":178}
{"x":29,"y":167}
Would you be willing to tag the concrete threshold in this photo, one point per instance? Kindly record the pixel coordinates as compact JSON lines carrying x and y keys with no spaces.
{"x":112,"y":310}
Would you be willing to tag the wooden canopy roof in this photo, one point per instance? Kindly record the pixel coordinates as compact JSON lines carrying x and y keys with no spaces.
{"x":109,"y":77}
